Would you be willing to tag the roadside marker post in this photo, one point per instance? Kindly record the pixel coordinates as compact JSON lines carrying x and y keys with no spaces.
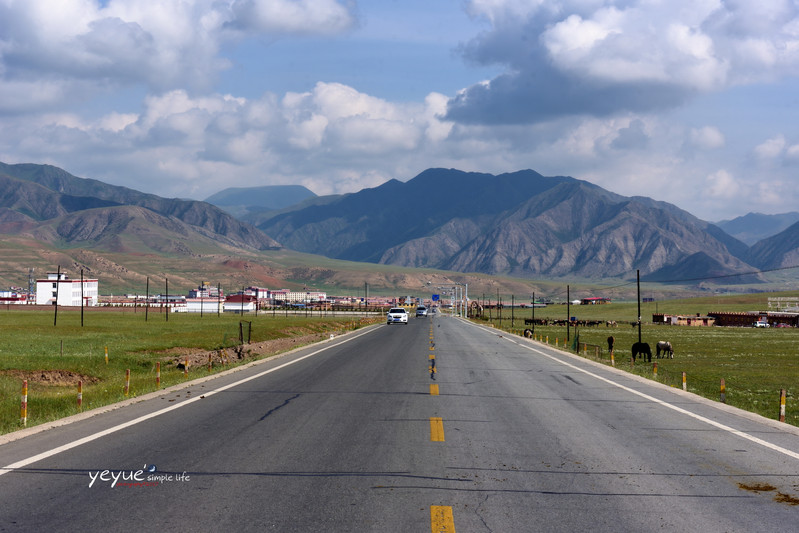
{"x":106,"y":355}
{"x":684,"y":382}
{"x":80,"y":394}
{"x":723,"y":392}
{"x":782,"y":405}
{"x":127,"y":382}
{"x":158,"y":374}
{"x":23,"y":407}
{"x":655,"y":370}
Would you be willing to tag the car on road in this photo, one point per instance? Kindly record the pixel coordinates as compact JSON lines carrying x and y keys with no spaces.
{"x":421,"y":310}
{"x":397,"y":315}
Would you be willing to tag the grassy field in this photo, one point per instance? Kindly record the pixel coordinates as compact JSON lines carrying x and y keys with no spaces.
{"x":754,"y":363}
{"x":54,"y":358}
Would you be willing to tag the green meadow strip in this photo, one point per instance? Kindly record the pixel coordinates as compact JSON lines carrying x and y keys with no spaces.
{"x":55,"y":358}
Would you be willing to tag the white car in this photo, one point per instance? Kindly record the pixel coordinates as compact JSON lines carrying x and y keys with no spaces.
{"x":762,"y":323}
{"x":397,"y":315}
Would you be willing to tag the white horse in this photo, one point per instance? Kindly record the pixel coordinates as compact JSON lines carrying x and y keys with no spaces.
{"x":666,"y":348}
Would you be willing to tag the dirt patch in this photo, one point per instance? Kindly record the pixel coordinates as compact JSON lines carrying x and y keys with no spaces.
{"x":780,"y":497}
{"x":196,"y":358}
{"x":56,"y":378}
{"x":757,"y":487}
{"x":786,"y":498}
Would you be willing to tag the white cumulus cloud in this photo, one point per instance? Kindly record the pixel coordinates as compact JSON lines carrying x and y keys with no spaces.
{"x":164,"y":44}
{"x":600,"y":58}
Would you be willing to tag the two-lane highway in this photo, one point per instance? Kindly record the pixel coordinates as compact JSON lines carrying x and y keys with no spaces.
{"x":358,"y":434}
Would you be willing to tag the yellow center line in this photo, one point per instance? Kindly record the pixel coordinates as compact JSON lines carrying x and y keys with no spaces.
{"x":436,"y":429}
{"x":433,"y":389}
{"x":441,"y":519}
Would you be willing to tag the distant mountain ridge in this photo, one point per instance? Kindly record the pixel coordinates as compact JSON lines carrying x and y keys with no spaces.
{"x":242,"y":201}
{"x":754,"y":227}
{"x":518,"y":224}
{"x":50,"y":204}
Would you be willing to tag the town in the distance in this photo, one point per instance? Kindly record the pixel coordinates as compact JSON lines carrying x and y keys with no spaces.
{"x":59,"y":289}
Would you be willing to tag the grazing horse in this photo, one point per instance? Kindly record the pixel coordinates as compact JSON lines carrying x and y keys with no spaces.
{"x":666,"y":348}
{"x":643,"y":349}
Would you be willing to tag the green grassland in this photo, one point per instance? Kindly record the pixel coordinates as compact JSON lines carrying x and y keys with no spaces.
{"x":754,"y":363}
{"x":32,"y":343}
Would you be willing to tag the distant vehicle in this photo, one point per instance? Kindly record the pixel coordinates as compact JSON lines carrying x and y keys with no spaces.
{"x":421,"y":310}
{"x":397,"y":315}
{"x":762,"y":323}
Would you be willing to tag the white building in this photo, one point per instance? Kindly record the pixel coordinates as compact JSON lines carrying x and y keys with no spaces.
{"x":305,"y":296}
{"x":59,"y":289}
{"x":13,"y":297}
{"x":204,"y":305}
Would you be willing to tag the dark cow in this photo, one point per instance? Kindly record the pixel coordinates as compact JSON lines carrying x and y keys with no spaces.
{"x":643,"y":349}
{"x":666,"y":348}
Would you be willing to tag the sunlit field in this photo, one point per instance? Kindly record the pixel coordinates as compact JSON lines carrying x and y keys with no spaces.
{"x":55,"y":357}
{"x":755,"y":363}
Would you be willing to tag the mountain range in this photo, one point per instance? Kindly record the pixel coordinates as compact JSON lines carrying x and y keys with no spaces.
{"x":519,"y":224}
{"x":754,"y":227}
{"x":58,"y":208}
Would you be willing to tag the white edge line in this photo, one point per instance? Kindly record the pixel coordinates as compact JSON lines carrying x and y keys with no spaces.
{"x":89,"y":438}
{"x":673,"y":407}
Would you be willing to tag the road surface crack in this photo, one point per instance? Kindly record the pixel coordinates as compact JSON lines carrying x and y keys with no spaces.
{"x":284,"y":404}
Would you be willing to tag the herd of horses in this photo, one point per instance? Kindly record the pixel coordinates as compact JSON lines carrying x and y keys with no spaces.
{"x":643,"y":349}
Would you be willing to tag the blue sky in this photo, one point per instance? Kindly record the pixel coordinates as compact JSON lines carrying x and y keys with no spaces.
{"x":690,"y":102}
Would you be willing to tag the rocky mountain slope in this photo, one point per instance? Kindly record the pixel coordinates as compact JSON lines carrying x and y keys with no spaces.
{"x":59,"y":208}
{"x":520,"y":224}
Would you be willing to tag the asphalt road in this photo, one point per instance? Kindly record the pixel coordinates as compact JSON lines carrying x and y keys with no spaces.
{"x":355,"y":435}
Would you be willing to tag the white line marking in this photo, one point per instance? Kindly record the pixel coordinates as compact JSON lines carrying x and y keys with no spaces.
{"x":701,"y":418}
{"x":74,"y":444}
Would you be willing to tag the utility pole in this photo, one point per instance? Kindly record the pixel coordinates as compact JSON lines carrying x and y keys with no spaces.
{"x":81,"y":297}
{"x":638,"y":283}
{"x":57,"y":287}
{"x":568,"y":313}
{"x":147,"y":300}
